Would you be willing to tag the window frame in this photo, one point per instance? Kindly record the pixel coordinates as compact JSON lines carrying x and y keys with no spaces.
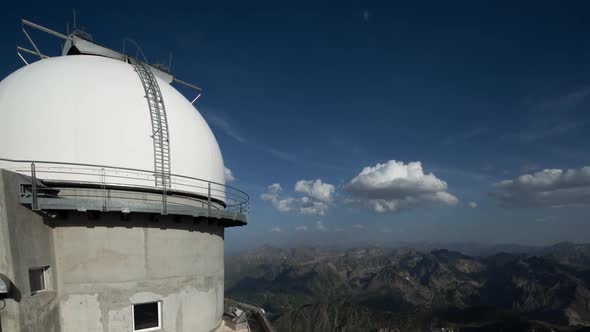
{"x":156,"y":328}
{"x":45,"y":273}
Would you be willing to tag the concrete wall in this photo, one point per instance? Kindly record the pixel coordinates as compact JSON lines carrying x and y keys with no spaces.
{"x":103,"y":265}
{"x":26,"y":241}
{"x":106,"y":268}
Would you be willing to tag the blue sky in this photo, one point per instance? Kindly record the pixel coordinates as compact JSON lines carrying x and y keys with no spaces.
{"x":476,"y":92}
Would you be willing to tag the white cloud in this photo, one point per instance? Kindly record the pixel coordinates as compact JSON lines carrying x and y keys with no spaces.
{"x":272,"y":193}
{"x":358,"y":226}
{"x":275,"y":188}
{"x":310,"y":207}
{"x":546,"y":188}
{"x":301,"y":228}
{"x":319,"y":225}
{"x":316,"y":189}
{"x":472,"y":205}
{"x":302,"y":205}
{"x":394,"y":186}
{"x":229,"y":176}
{"x":276,"y":230}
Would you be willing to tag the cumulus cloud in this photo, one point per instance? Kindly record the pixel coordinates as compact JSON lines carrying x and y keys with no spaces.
{"x":229,"y":176}
{"x":301,"y":228}
{"x":358,"y":226}
{"x":546,"y":188}
{"x":276,"y":230}
{"x":472,"y":205}
{"x":319,"y":225}
{"x":310,"y":207}
{"x":395,"y":186}
{"x":316,"y":189}
{"x":283,"y":204}
{"x":302,"y":205}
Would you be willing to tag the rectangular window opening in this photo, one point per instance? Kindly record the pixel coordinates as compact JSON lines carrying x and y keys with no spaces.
{"x":147,"y":316}
{"x":38,"y":279}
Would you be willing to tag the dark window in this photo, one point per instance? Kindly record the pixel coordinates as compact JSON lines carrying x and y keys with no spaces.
{"x":146,"y":316}
{"x":37,"y":279}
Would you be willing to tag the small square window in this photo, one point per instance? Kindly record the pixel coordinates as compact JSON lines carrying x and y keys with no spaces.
{"x":38,"y":279}
{"x":147,"y":316}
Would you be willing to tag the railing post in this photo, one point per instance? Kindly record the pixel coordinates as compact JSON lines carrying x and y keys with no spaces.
{"x":164,"y":195}
{"x":34,"y":202}
{"x":209,"y":200}
{"x":104,"y":190}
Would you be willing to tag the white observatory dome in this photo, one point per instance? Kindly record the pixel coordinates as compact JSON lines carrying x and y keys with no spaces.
{"x":92,"y":110}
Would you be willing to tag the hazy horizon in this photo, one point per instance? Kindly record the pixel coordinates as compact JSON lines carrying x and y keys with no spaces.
{"x":468,"y":248}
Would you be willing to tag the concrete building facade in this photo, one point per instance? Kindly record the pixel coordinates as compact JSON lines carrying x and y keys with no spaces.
{"x":98,"y":267}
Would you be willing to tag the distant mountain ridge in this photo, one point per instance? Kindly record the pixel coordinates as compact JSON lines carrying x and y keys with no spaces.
{"x":395,"y":286}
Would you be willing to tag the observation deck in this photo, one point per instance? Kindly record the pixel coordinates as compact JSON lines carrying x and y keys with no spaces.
{"x":57,"y":187}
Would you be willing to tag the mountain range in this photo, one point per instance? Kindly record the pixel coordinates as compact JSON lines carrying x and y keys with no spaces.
{"x":405,"y":289}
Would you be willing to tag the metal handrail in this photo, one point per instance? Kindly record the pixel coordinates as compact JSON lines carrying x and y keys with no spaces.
{"x":231,"y":197}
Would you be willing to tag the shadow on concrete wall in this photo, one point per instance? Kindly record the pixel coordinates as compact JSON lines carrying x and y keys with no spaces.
{"x":95,"y":219}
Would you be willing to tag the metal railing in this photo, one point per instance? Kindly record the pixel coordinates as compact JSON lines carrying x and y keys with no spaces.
{"x":109,"y":183}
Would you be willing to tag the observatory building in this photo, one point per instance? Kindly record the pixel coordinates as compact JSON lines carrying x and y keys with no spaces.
{"x":113,"y":199}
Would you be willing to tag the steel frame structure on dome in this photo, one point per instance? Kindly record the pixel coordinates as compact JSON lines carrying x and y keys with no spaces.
{"x":159,"y":70}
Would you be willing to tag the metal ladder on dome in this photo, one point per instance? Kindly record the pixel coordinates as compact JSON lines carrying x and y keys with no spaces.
{"x":160,"y":134}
